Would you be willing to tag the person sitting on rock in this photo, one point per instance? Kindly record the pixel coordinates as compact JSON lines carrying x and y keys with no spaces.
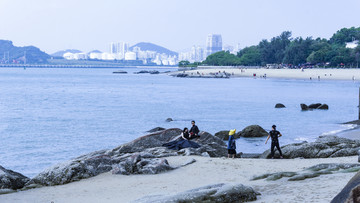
{"x":185,"y":134}
{"x":194,"y":131}
{"x":274,"y":134}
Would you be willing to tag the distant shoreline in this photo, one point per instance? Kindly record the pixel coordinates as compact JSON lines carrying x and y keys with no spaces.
{"x":306,"y":74}
{"x":78,"y":66}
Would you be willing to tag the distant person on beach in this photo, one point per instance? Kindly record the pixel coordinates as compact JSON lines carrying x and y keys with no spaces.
{"x":194,"y":131}
{"x":182,"y":142}
{"x":274,"y":134}
{"x":231,"y":144}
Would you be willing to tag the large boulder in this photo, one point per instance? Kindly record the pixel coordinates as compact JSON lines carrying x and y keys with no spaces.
{"x":221,"y":193}
{"x":136,"y":164}
{"x":314,"y":106}
{"x":323,"y":147}
{"x":155,"y":130}
{"x":304,"y":107}
{"x":224,"y":134}
{"x":279,"y":105}
{"x":350,"y":193}
{"x":323,"y":106}
{"x":252,"y":131}
{"x":148,"y":141}
{"x":76,"y":169}
{"x":11,"y":180}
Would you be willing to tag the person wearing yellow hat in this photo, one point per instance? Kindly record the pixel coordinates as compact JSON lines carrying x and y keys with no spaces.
{"x":231,"y":144}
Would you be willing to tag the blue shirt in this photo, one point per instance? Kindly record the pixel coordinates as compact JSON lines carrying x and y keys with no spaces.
{"x":231,"y":142}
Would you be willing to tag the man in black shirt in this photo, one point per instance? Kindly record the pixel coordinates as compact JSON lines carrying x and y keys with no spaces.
{"x":194,"y":131}
{"x":274,"y":134}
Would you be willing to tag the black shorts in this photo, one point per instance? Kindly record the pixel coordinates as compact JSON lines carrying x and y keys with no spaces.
{"x":231,"y":151}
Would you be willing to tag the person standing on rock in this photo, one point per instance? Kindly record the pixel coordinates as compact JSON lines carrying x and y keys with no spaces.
{"x":194,"y":131}
{"x":274,"y":134}
{"x":231,"y":144}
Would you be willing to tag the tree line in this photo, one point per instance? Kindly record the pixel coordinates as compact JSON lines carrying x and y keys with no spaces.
{"x":293,"y":52}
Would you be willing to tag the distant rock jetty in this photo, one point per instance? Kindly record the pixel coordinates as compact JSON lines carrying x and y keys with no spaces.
{"x":201,"y":75}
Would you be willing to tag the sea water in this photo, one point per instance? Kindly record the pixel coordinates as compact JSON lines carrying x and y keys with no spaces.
{"x":52,"y":115}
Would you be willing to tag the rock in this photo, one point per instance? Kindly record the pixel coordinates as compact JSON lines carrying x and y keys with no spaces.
{"x":120,"y":72}
{"x":141,"y":72}
{"x":314,"y":106}
{"x":148,"y":141}
{"x":11,"y":180}
{"x":188,"y":162}
{"x":304,"y":107}
{"x":154,"y":72}
{"x":182,"y":75}
{"x":323,"y":106}
{"x":79,"y":168}
{"x":169,"y":120}
{"x":351,"y":192}
{"x":252,"y":131}
{"x":224,"y":134}
{"x":274,"y":176}
{"x":211,"y":193}
{"x":279,"y":105}
{"x":139,"y":165}
{"x":323,"y":147}
{"x":155,"y":129}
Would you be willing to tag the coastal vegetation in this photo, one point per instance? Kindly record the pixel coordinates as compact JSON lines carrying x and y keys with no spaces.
{"x":294,"y":52}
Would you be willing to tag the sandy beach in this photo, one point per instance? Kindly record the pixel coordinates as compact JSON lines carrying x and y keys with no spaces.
{"x":306,"y":74}
{"x":205,"y":171}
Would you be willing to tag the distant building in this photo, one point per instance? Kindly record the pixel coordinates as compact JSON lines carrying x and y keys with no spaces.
{"x":119,"y":49}
{"x":213,"y":44}
{"x":353,"y":44}
{"x":130,"y":56}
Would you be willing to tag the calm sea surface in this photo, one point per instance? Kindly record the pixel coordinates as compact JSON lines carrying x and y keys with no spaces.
{"x":52,"y":115}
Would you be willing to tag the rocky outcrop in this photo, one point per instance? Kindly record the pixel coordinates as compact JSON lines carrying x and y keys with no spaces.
{"x":155,"y":130}
{"x":82,"y":167}
{"x":351,"y":192}
{"x":323,"y":147}
{"x":224,"y":134}
{"x":211,"y":193}
{"x":141,"y":156}
{"x":320,"y":106}
{"x":311,"y":172}
{"x":279,"y":105}
{"x":11,"y":180}
{"x":136,"y":164}
{"x":252,"y":131}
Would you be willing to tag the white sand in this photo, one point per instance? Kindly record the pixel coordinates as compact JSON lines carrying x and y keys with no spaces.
{"x":120,"y":188}
{"x":324,"y":74}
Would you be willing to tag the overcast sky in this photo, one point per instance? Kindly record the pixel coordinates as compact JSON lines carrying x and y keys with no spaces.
{"x":54,"y":25}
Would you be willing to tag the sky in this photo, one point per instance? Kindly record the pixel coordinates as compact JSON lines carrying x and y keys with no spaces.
{"x":54,"y":25}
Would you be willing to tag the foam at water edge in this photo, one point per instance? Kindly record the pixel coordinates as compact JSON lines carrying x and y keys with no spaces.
{"x":346,"y":127}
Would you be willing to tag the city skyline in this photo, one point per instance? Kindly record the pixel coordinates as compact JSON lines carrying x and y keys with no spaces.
{"x":177,"y":25}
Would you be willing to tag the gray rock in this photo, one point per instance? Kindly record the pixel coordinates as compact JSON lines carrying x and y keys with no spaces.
{"x":11,"y":180}
{"x":156,"y":129}
{"x":82,"y":167}
{"x":252,"y":131}
{"x":279,"y":105}
{"x":323,"y":106}
{"x":304,"y":107}
{"x":323,"y":147}
{"x":221,"y":193}
{"x":139,"y":165}
{"x":351,"y":192}
{"x":169,"y":120}
{"x":314,"y":106}
{"x":274,"y":176}
{"x":224,"y":134}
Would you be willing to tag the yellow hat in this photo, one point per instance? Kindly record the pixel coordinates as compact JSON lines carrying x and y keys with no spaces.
{"x":232,"y":132}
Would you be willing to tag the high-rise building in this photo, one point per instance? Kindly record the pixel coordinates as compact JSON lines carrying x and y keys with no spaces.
{"x":119,"y":48}
{"x":213,"y":44}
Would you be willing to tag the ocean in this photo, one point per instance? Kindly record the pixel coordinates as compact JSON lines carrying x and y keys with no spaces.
{"x":52,"y":115}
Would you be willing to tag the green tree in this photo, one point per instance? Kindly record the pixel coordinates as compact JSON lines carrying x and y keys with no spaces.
{"x":298,"y":51}
{"x":222,"y":58}
{"x":250,"y":56}
{"x":184,"y":63}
